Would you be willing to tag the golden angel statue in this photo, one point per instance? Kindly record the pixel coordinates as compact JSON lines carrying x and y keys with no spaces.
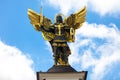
{"x":58,"y":33}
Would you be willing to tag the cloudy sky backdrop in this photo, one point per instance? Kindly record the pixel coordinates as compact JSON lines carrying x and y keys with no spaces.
{"x":23,"y":51}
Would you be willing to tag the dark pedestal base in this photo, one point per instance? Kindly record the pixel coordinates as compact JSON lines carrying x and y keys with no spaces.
{"x":62,"y":73}
{"x":61,"y":68}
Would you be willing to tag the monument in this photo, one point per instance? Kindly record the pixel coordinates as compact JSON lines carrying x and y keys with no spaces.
{"x":58,"y":34}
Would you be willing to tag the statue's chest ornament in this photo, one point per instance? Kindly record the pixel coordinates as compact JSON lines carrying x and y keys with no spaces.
{"x":59,"y":27}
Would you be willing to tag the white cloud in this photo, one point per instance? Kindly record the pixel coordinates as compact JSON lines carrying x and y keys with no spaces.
{"x":49,"y":48}
{"x":102,"y":7}
{"x":66,"y":6}
{"x":14,"y":65}
{"x":97,"y":47}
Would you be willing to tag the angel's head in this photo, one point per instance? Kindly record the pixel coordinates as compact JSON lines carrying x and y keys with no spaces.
{"x":58,"y":18}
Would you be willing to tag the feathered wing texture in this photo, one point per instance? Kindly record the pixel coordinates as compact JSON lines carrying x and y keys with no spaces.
{"x":34,"y":18}
{"x":76,"y":20}
{"x":38,"y":20}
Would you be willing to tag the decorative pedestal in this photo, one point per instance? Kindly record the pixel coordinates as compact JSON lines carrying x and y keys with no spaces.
{"x":62,"y":73}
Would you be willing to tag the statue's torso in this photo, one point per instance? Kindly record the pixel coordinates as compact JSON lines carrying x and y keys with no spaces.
{"x":59,"y":31}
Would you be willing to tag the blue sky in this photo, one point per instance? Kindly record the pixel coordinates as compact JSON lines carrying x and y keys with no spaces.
{"x":97,"y":42}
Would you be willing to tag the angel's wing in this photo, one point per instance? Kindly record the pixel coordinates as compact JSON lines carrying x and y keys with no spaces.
{"x":75,"y":20}
{"x":34,"y":17}
{"x":38,"y":19}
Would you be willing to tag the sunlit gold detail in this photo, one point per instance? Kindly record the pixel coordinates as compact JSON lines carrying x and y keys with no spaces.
{"x":57,"y":44}
{"x":76,"y":20}
{"x":72,"y":35}
{"x":62,"y":62}
{"x":60,"y":40}
{"x":38,"y":20}
{"x":59,"y":29}
{"x":48,"y":35}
